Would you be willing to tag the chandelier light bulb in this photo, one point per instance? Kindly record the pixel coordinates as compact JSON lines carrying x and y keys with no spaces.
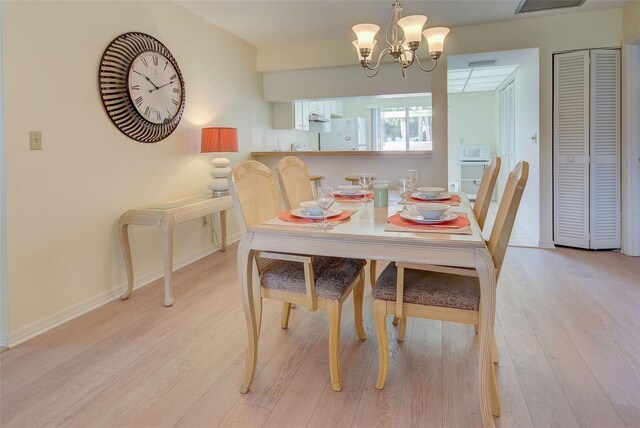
{"x":366,"y":33}
{"x":412,"y":27}
{"x":435,"y":40}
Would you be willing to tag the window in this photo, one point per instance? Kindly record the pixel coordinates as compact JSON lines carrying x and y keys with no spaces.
{"x":402,"y":128}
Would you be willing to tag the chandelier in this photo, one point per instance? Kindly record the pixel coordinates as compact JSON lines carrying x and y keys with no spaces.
{"x":403,"y":50}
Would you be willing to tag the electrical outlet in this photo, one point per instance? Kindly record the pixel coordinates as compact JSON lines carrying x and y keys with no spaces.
{"x":35,"y":140}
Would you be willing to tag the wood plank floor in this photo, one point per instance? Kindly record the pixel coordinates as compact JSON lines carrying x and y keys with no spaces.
{"x":567,"y":330}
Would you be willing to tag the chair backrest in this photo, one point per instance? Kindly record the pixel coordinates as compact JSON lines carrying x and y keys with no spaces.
{"x":254,"y":193}
{"x":294,"y":181}
{"x":506,"y":217}
{"x":488,"y":183}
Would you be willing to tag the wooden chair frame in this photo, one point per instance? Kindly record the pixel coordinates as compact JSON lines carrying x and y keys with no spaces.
{"x":485,"y":192}
{"x":294,"y":181}
{"x":497,"y":246}
{"x":252,"y":180}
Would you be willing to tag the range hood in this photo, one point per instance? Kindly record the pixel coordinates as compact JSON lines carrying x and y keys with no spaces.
{"x":314,"y":117}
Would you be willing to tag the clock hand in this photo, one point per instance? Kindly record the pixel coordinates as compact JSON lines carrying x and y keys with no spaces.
{"x":161,"y":86}
{"x":149,"y":80}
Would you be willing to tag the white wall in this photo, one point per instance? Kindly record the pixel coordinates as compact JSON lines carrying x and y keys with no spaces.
{"x":528,"y":149}
{"x":473,"y":121}
{"x":548,"y":33}
{"x":63,"y":203}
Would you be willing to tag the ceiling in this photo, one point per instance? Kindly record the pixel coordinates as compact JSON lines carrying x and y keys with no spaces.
{"x":478,"y":79}
{"x":267,"y":22}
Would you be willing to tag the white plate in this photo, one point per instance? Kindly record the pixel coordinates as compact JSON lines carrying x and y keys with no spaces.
{"x":300,"y":212}
{"x":349,"y":193}
{"x":417,"y":218}
{"x":437,"y":198}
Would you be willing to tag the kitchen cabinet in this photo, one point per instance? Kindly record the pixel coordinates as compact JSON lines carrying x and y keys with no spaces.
{"x":293,"y":115}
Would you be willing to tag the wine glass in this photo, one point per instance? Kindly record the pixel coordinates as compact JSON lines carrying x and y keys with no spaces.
{"x":405,"y":189}
{"x":365,"y":183}
{"x":324,"y":198}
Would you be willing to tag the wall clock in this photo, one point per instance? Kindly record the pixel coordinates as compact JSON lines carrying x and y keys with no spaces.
{"x":141,"y":87}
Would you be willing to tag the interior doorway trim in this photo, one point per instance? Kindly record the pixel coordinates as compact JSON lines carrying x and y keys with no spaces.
{"x":631,"y":149}
{"x":4,"y":292}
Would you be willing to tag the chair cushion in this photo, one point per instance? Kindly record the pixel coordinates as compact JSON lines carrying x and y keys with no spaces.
{"x":333,"y":275}
{"x":430,"y":288}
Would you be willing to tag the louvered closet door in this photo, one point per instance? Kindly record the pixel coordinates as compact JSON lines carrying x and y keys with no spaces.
{"x":605,"y":149}
{"x":571,"y":149}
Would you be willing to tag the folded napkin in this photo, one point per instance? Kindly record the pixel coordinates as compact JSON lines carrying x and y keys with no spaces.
{"x":453,"y":200}
{"x":354,"y":198}
{"x":459,"y":226}
{"x":287,"y":219}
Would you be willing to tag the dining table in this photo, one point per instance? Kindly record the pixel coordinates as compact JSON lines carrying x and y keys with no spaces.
{"x":366,"y":234}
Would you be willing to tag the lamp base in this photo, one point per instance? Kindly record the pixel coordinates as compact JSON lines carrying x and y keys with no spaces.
{"x":218,"y":193}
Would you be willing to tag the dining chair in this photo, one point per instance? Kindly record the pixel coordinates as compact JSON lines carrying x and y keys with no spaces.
{"x":311,"y":281}
{"x":485,"y":192}
{"x":294,"y":181}
{"x":447,"y":293}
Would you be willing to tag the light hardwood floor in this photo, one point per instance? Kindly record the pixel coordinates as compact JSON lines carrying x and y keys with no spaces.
{"x":567,"y":331}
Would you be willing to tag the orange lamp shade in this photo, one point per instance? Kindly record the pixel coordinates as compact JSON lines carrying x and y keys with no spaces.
{"x":219,"y":140}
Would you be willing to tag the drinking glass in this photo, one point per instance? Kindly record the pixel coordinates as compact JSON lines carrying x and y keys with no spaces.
{"x":405,"y":189}
{"x":413,"y":175}
{"x":324,"y":198}
{"x":365,"y":182}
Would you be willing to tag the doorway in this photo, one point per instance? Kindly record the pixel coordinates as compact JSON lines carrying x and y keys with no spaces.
{"x":494,"y":104}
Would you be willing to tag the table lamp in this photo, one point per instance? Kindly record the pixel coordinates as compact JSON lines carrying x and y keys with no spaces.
{"x":219,"y":140}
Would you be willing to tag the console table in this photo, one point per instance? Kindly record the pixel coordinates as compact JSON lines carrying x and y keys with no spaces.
{"x":166,"y":216}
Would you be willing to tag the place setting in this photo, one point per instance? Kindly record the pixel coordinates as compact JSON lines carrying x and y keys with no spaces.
{"x":428,"y":213}
{"x":319,"y":213}
{"x":355,"y":192}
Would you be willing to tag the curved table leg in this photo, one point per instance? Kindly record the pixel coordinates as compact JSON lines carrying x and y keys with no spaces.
{"x":126,"y":253}
{"x":168,"y":223}
{"x":245,"y":277}
{"x":487,"y":277}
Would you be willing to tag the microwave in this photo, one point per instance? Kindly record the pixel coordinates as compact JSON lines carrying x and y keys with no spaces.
{"x":475,"y":153}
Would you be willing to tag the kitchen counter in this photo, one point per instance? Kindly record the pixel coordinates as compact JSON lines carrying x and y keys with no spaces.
{"x":399,"y":153}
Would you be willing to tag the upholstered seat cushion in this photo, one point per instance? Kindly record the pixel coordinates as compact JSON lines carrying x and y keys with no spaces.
{"x":430,"y":288}
{"x":333,"y":275}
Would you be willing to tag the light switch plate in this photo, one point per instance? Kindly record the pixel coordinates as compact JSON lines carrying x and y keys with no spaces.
{"x":35,"y":140}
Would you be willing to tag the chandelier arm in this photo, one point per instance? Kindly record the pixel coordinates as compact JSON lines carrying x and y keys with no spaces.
{"x":382,"y":54}
{"x":371,"y":75}
{"x":435,"y":64}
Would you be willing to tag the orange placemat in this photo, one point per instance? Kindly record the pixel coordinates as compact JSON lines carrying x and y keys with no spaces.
{"x":453,"y":198}
{"x":459,"y":225}
{"x":288,"y":217}
{"x":355,"y":198}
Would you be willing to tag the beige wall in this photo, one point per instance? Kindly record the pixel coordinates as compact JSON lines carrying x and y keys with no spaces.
{"x":631,"y":22}
{"x":63,"y":203}
{"x":549,"y":33}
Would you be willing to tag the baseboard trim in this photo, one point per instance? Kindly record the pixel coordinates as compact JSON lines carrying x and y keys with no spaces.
{"x":28,"y":332}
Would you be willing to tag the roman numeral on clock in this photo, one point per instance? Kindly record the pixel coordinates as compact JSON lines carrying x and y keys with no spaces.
{"x":176,"y":90}
{"x":144,"y":61}
{"x":155,"y":60}
{"x":175,"y":102}
{"x":147,"y":111}
{"x":135,"y":88}
{"x":138,"y":101}
{"x":157,"y":115}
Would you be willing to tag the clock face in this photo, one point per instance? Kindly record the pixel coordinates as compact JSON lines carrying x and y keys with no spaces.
{"x":154,"y":87}
{"x":141,"y":87}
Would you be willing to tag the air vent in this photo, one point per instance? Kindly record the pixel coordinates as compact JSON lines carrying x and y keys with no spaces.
{"x":483,"y":63}
{"x":538,"y":5}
